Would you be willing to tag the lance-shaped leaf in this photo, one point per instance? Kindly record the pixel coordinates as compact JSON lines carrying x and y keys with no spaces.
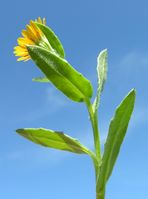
{"x":102,"y":74}
{"x":61,"y":74}
{"x":52,"y":39}
{"x":116,"y":134}
{"x":53,"y":139}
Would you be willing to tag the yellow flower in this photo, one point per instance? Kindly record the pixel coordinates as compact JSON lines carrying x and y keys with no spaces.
{"x":31,"y":36}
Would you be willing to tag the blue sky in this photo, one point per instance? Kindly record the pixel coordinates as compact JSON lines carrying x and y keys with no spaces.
{"x":85,"y":28}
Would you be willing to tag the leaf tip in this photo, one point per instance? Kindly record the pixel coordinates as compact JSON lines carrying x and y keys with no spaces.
{"x":133,"y":92}
{"x":103,"y":53}
{"x":19,"y":131}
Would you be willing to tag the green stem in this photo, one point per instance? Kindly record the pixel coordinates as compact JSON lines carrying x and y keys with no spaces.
{"x":94,"y":123}
{"x":100,"y":195}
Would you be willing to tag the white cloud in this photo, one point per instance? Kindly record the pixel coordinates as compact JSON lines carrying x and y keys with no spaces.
{"x":132,"y":71}
{"x":140,"y":117}
{"x":134,"y":61}
{"x":36,"y":157}
{"x":53,"y":102}
{"x":55,"y":98}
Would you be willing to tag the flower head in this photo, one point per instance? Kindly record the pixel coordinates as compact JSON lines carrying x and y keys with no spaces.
{"x":31,"y":36}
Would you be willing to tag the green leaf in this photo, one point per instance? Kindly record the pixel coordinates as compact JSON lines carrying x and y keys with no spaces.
{"x":61,"y":74}
{"x":52,"y":39}
{"x":102,"y":75}
{"x":53,"y":139}
{"x":41,"y":79}
{"x":116,"y":134}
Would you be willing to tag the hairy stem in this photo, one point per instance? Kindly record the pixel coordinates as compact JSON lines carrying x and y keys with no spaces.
{"x":94,"y":123}
{"x":101,"y":194}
